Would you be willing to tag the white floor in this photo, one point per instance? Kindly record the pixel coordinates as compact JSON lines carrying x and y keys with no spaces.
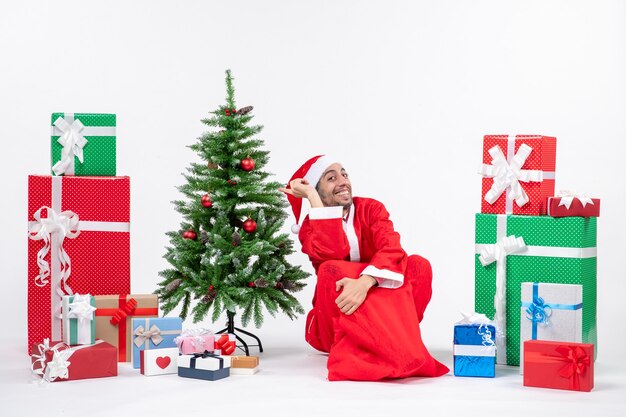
{"x":292,"y":383}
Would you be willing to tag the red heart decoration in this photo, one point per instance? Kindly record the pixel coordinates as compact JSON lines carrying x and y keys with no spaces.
{"x":163,"y":361}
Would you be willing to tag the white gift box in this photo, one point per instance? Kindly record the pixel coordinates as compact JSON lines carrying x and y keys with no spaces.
{"x":550,"y":312}
{"x":159,"y":361}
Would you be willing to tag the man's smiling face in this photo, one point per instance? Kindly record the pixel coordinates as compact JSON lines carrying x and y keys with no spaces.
{"x":334,"y":187}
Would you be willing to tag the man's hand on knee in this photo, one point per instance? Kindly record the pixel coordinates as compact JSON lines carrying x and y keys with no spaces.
{"x":354,"y":292}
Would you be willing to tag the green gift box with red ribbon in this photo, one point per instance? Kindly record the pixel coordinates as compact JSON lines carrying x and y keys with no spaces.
{"x":114,"y":314}
{"x":513,"y":249}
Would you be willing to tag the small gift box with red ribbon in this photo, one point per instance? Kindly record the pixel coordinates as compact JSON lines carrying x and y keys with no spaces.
{"x":572,"y":204}
{"x":558,"y":365}
{"x":154,"y":333}
{"x":226,"y":343}
{"x":551,"y":312}
{"x":208,"y":366}
{"x":195,"y":341}
{"x":79,"y":242}
{"x":158,"y":361}
{"x":518,"y":174}
{"x":79,"y":320}
{"x":56,"y":361}
{"x":114,"y":314}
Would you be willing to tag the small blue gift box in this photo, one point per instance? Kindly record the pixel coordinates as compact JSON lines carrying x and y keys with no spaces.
{"x":475,"y":350}
{"x":207,"y":366}
{"x":154,"y":333}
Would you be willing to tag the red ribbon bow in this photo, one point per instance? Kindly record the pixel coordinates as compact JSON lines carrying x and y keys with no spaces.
{"x":225,"y":344}
{"x":124,"y":312}
{"x":577,"y":362}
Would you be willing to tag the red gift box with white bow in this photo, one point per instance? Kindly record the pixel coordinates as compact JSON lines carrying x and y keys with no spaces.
{"x":558,"y":365}
{"x":79,"y":242}
{"x":56,"y":361}
{"x":571,"y":204}
{"x":518,"y":174}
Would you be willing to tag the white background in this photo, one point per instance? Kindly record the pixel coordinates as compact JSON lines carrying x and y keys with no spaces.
{"x":401,"y":91}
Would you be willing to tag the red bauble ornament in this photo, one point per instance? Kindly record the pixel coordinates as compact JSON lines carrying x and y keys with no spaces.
{"x":279,"y":285}
{"x":251,"y":284}
{"x":227,"y":112}
{"x":211,"y":287}
{"x":231,"y":182}
{"x":234,"y":111}
{"x":206,"y":201}
{"x":190,"y":234}
{"x":247,"y":164}
{"x":249,"y":226}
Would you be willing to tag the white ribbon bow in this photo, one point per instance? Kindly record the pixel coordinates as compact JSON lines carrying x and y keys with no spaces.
{"x":508,"y":176}
{"x":154,"y":334}
{"x":474,"y":318}
{"x":58,"y":367}
{"x":568,"y":196}
{"x":498,"y":253}
{"x":81,"y":308}
{"x":73,"y":143}
{"x":64,"y":225}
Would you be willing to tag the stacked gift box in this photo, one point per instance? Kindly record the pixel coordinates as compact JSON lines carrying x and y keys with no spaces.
{"x":535,"y":257}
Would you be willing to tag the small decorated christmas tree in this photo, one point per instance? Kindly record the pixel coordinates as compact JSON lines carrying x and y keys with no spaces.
{"x":229,"y":254}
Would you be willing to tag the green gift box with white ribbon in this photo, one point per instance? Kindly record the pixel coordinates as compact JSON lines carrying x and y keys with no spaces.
{"x":79,"y":319}
{"x":513,"y":249}
{"x":83,"y":144}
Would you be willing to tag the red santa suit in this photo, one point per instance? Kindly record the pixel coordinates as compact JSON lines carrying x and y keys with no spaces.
{"x":381,"y":339}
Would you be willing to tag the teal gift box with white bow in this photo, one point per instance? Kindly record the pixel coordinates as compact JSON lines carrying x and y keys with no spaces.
{"x":550,"y":312}
{"x":83,"y":144}
{"x":79,"y":319}
{"x":154,"y":333}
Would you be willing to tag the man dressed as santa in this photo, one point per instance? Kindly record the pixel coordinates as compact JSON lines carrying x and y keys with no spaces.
{"x":370,"y":296}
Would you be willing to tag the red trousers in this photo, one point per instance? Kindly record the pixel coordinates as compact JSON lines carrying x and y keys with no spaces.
{"x":381,"y":339}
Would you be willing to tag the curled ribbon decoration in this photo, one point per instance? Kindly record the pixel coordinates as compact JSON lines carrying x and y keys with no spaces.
{"x":58,"y":367}
{"x":73,"y":143}
{"x":509,"y":175}
{"x":538,"y":311}
{"x":200,"y":339}
{"x":124,"y":312}
{"x":142,"y":335}
{"x":497,"y":253}
{"x":568,"y":196}
{"x":64,"y":225}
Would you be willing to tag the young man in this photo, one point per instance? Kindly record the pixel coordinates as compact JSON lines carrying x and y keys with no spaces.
{"x":370,"y":296}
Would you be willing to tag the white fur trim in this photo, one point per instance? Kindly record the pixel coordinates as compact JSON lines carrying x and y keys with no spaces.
{"x":385,"y":278}
{"x":317,"y":169}
{"x":321,"y":213}
{"x":355,"y":254}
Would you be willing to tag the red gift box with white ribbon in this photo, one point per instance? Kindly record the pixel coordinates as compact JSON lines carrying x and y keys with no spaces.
{"x":572,"y":204}
{"x":79,"y":242}
{"x":518,"y":174}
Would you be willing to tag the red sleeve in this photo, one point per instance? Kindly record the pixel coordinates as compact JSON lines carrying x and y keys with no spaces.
{"x":389,"y":260}
{"x":324,"y":240}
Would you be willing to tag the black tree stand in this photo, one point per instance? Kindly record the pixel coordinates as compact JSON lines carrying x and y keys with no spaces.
{"x":230,"y":328}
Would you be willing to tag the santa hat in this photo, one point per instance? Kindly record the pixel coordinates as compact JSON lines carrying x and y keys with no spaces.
{"x":311,"y":171}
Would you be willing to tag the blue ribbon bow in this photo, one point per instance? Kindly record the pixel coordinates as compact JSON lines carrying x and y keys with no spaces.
{"x":539,"y":312}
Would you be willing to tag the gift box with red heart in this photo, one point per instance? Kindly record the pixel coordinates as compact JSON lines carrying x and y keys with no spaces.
{"x":158,"y":361}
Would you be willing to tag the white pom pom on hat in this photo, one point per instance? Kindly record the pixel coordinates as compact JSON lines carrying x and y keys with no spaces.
{"x":311,"y":171}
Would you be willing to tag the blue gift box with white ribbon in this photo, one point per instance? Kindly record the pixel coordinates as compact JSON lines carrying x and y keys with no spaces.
{"x":550,"y":312}
{"x":475,"y":350}
{"x":154,"y":333}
